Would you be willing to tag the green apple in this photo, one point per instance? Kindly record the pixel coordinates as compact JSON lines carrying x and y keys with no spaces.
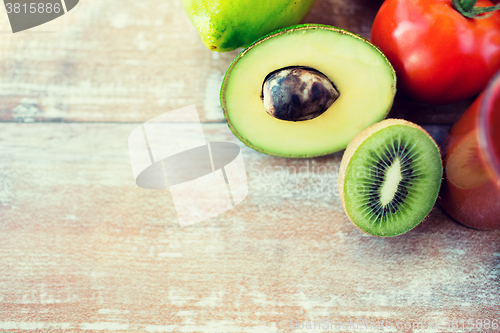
{"x":225,"y":25}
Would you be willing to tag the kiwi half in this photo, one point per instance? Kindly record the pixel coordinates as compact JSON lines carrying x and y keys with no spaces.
{"x":389,"y":177}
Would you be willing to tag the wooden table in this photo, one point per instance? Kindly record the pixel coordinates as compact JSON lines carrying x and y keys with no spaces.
{"x":84,"y":249}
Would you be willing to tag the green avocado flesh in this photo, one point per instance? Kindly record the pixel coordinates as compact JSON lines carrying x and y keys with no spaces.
{"x":392,"y":181}
{"x":363,"y":76}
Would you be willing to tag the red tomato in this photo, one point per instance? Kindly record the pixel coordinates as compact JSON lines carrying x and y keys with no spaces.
{"x":439,"y":55}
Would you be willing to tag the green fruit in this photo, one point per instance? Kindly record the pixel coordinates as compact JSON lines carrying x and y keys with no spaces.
{"x":389,"y":177}
{"x":306,"y":91}
{"x":225,"y":25}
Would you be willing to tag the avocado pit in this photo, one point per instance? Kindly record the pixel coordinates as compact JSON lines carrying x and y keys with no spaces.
{"x":297,"y":93}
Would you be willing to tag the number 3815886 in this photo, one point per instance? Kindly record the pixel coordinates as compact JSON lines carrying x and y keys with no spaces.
{"x":33,"y":8}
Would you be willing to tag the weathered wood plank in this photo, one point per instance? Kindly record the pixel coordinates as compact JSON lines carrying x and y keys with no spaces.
{"x":129,"y":61}
{"x":83,"y":249}
{"x":109,"y":61}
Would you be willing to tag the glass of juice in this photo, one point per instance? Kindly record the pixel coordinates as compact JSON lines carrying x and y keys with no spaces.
{"x":471,"y":154}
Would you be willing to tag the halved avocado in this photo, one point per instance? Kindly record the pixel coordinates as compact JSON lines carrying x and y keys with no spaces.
{"x":362,"y":75}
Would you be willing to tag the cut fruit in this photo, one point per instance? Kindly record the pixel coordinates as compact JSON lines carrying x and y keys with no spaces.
{"x":359,"y":72}
{"x":390,"y":177}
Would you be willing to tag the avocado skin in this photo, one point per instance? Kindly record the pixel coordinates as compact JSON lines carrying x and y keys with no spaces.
{"x":225,"y":25}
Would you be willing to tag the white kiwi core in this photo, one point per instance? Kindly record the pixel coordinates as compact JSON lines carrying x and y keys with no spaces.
{"x":392,"y":179}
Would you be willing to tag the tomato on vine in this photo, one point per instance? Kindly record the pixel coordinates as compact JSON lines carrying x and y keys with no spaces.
{"x":444,"y":51}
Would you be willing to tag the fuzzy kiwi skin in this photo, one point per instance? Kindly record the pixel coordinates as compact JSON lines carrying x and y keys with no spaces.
{"x":353,"y":146}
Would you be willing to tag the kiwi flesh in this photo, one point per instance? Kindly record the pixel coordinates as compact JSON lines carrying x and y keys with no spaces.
{"x":389,"y":177}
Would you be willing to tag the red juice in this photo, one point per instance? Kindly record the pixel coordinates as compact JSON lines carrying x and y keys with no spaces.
{"x":471,"y":154}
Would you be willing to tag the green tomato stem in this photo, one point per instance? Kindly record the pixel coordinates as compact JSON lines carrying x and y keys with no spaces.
{"x":467,"y":5}
{"x":467,"y":9}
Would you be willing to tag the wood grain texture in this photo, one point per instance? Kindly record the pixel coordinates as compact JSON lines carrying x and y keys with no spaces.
{"x":83,"y":249}
{"x":128,"y":61}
